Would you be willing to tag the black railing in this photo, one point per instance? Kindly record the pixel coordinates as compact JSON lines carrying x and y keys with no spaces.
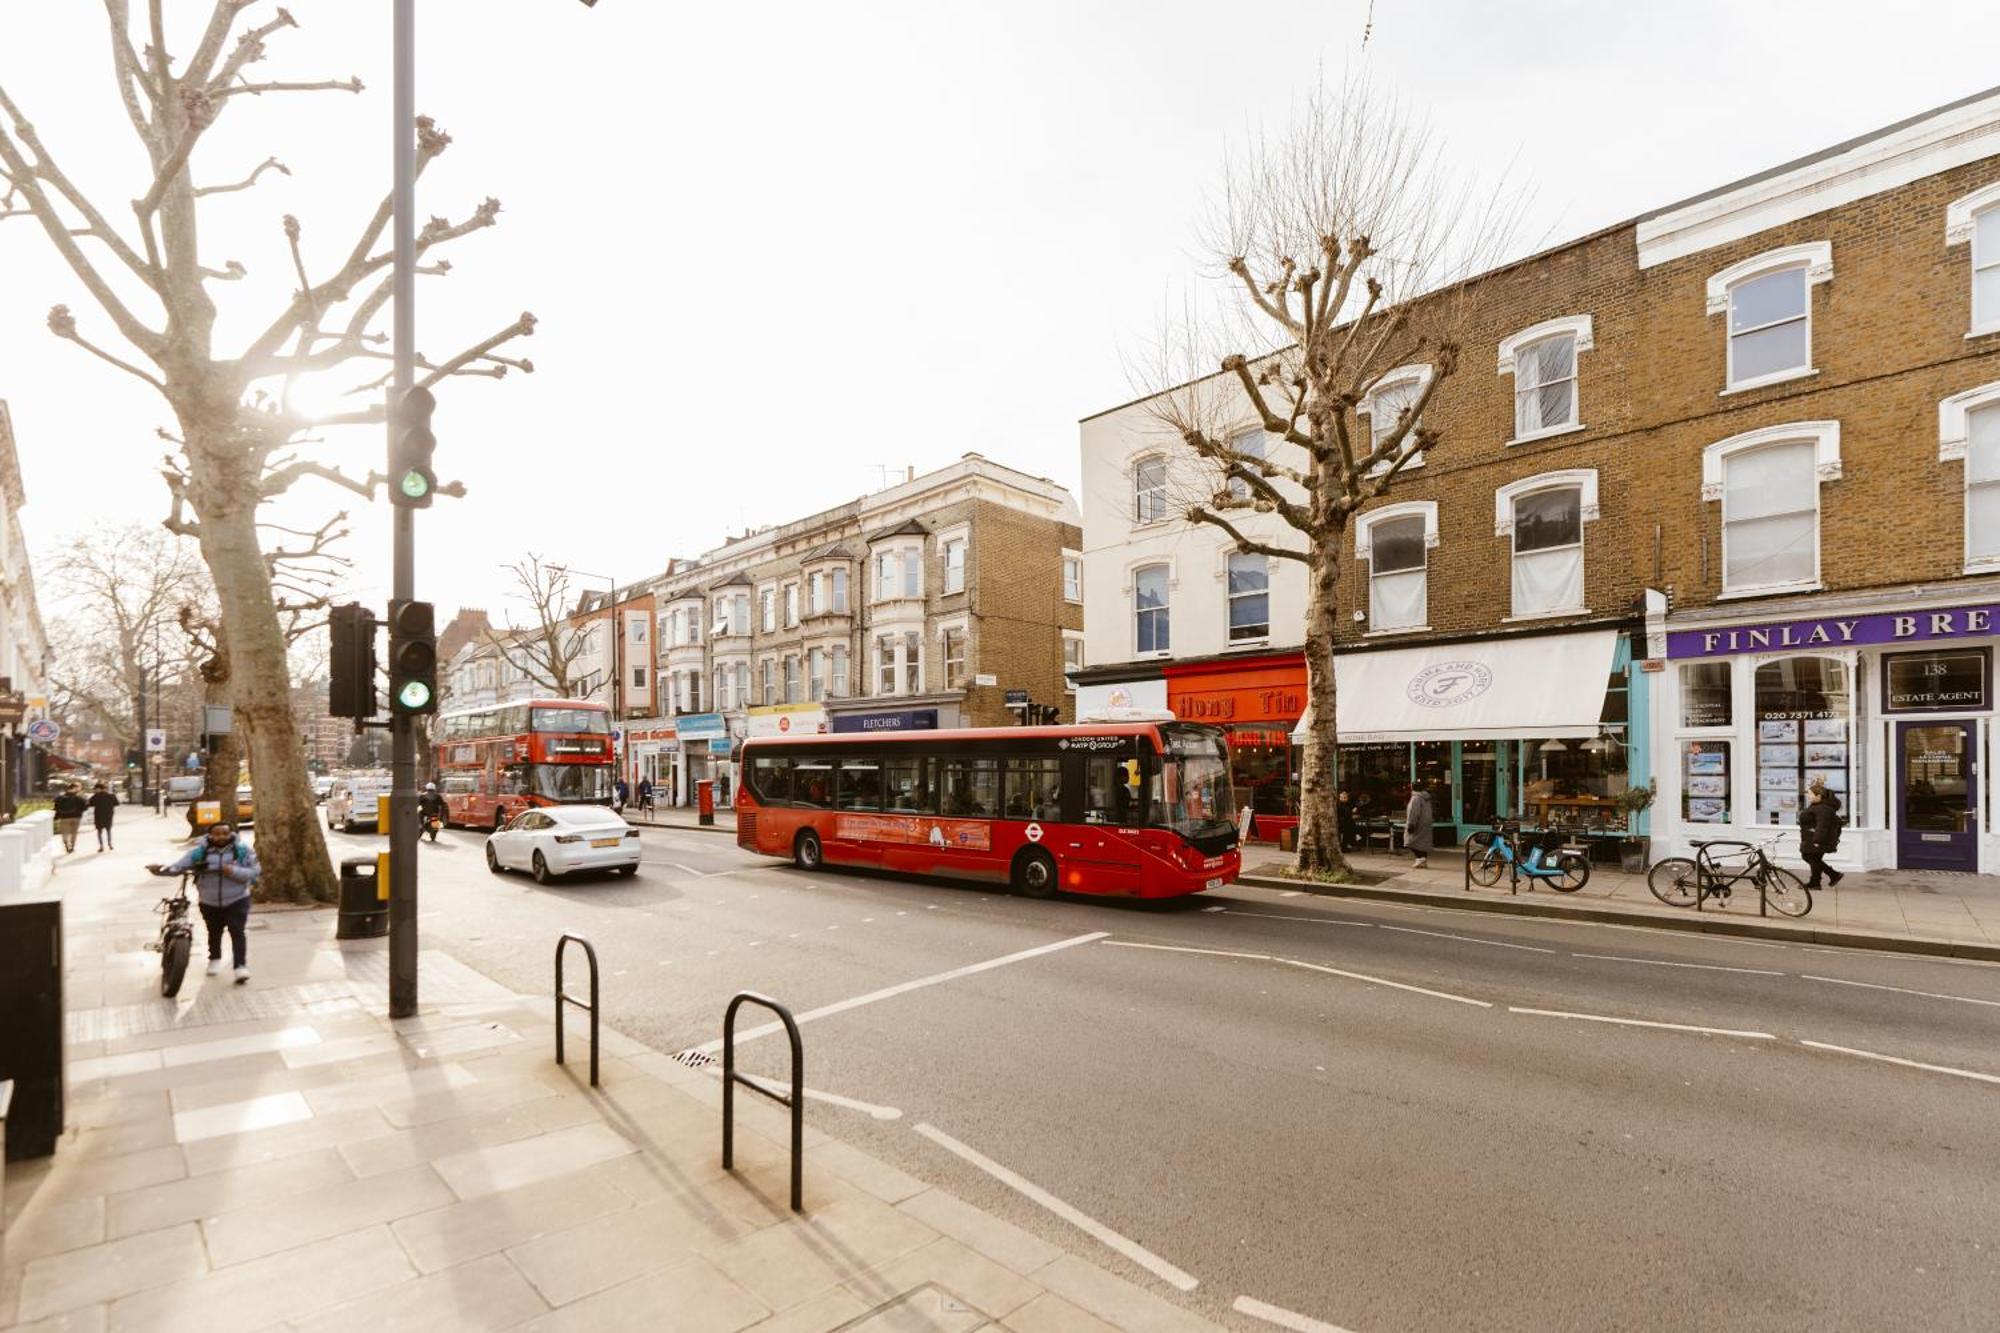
{"x":563,"y":997}
{"x":797,"y":1101}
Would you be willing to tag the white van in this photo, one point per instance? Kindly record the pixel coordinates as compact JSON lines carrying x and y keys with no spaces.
{"x":184,"y":787}
{"x":351,"y":804}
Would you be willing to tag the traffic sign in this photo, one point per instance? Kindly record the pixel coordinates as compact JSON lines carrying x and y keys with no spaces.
{"x":156,"y":740}
{"x":42,"y":731}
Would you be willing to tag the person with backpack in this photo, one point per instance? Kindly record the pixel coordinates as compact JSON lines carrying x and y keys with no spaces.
{"x":101,"y":804}
{"x":224,"y":868}
{"x":1819,"y":833}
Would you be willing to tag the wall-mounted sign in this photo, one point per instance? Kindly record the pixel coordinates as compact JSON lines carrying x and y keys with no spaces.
{"x":1836,"y":632}
{"x":912,"y":719}
{"x":1935,"y":682}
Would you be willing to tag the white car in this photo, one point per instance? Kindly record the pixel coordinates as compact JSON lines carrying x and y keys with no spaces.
{"x":554,"y":840}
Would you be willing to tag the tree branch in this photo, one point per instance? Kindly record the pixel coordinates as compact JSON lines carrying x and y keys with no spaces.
{"x":279,"y":480}
{"x":351,"y":84}
{"x":63,"y":325}
{"x":524,"y":327}
{"x":268,"y":164}
{"x":1203,"y":514}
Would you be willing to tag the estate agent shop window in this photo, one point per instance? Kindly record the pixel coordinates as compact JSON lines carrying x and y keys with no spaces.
{"x":1800,"y":730}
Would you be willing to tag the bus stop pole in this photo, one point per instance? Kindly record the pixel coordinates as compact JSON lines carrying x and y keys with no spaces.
{"x":402,"y":734}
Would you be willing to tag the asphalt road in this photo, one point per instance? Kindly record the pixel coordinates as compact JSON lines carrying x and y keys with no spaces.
{"x":1376,"y":1116}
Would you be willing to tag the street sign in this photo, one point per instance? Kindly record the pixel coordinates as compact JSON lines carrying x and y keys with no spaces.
{"x":12,"y":710}
{"x":1016,"y":697}
{"x":217,"y":719}
{"x":42,"y":731}
{"x":156,"y":740}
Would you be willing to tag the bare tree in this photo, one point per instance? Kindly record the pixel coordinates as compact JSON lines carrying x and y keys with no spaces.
{"x":121,"y":589}
{"x":239,"y":434}
{"x":545,"y":650}
{"x":1345,"y":247}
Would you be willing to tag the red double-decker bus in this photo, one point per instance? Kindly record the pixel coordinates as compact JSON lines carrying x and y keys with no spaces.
{"x":1134,"y":809}
{"x":492,"y":763}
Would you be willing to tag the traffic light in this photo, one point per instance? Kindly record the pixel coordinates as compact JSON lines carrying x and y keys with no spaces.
{"x":411,"y":442}
{"x":412,"y":658}
{"x":350,"y":683}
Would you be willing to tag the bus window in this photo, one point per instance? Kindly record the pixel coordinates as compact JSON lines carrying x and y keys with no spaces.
{"x":1108,"y":797}
{"x":812,"y":784}
{"x":1034,"y":788}
{"x":771,"y":778}
{"x":905,"y":785}
{"x":514,"y":780}
{"x":858,"y":785}
{"x":972,"y":787}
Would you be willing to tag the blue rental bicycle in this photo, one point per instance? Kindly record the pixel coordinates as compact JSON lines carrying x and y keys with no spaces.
{"x":1551,"y":858}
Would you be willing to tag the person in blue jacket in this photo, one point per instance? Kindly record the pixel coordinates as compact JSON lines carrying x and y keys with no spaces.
{"x":224,"y":868}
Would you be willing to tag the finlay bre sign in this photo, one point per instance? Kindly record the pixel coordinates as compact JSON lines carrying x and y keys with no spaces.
{"x":1836,"y":632}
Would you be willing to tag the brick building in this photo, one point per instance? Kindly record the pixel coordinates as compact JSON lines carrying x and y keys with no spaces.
{"x":924,"y":605}
{"x":1715,"y":440}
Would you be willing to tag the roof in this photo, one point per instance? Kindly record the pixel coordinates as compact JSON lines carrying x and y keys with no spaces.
{"x":832,"y":551}
{"x":737,"y":580}
{"x":913,"y":528}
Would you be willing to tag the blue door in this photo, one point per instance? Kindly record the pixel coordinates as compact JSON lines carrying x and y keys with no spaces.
{"x":1937,"y":771}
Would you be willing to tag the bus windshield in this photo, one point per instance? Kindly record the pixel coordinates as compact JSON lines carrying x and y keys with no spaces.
{"x":571,"y":720}
{"x":571,"y":782}
{"x":1194,"y":797}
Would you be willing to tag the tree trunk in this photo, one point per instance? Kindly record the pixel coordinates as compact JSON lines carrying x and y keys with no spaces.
{"x":1320,"y":852}
{"x":225,"y":761}
{"x":289,"y":843}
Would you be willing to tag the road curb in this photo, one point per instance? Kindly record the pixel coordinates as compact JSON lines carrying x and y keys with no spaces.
{"x":729,"y":828}
{"x":1708,"y":925}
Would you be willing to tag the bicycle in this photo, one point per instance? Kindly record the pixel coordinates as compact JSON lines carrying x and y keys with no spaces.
{"x":176,"y":940}
{"x":1564,"y":867}
{"x":1680,"y":881}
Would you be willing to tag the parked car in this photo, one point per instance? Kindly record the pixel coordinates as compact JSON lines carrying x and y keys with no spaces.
{"x":321,"y":787}
{"x":350,"y":804}
{"x":183,"y":787}
{"x":555,"y":840}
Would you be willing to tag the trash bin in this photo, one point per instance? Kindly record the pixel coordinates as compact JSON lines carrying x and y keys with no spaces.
{"x":364,"y":913}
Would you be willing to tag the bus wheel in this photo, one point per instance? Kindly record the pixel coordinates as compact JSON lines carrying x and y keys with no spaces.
{"x":806,"y":851}
{"x":1035,"y":874}
{"x":499,"y":819}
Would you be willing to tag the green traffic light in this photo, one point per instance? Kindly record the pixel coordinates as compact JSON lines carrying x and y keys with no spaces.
{"x":415,"y":484}
{"x":413,"y":695}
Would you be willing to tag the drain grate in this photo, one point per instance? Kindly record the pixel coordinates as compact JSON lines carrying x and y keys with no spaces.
{"x":695,"y":1059}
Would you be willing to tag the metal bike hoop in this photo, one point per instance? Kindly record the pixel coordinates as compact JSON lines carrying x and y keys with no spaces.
{"x":563,"y":997}
{"x":796,"y":1102}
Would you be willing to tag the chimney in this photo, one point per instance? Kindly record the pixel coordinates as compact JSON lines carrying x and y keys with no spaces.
{"x":910,"y":473}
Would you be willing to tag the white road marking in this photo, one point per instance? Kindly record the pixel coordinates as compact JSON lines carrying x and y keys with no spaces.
{"x":1291,"y":893}
{"x":1658,"y":962}
{"x":1469,"y":939}
{"x":1895,"y":1060}
{"x":689,"y":869}
{"x":1279,"y":916}
{"x":1131,"y":1249}
{"x":1380,"y":981}
{"x":1642,"y":1023}
{"x":904,"y":988}
{"x":1272,"y":1314}
{"x":814,"y":1095}
{"x":1215,"y":909}
{"x":1177,"y":948}
{"x":1929,"y":995}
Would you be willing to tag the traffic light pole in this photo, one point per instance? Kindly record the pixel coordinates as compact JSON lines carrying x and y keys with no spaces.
{"x":403,"y":735}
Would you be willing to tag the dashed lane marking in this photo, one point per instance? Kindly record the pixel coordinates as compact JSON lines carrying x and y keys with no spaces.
{"x":1181,"y":948}
{"x":1900,"y":990}
{"x":1468,"y":939}
{"x":1383,"y":981}
{"x":1644,"y":1023}
{"x":1283,"y":1318}
{"x":1124,"y":1245}
{"x":904,"y":988}
{"x":1281,"y":916}
{"x":1661,"y":962}
{"x":1896,"y":1060}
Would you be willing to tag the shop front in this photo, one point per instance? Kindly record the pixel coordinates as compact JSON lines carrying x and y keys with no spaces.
{"x":1257,"y":702}
{"x":704,"y":753}
{"x":785,"y":720}
{"x":910,"y":712}
{"x":654,"y":751}
{"x":1889,"y":707}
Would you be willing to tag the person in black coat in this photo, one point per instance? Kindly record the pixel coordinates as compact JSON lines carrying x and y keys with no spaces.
{"x":1819,"y":833}
{"x":101,"y":804}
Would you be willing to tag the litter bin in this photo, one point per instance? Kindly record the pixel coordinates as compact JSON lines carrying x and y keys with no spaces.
{"x":364,"y":912}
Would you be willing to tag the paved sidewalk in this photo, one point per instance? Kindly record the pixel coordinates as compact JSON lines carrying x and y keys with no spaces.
{"x":1927,"y":911}
{"x":282,"y":1155}
{"x":674,"y":816}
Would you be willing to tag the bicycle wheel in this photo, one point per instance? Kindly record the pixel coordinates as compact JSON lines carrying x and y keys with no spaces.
{"x":1572,"y":872}
{"x":1485,"y":859}
{"x":173,"y":964}
{"x":1673,"y":881}
{"x":1785,"y":892}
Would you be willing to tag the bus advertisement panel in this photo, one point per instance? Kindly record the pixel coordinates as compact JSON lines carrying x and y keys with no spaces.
{"x":492,"y":763}
{"x":1134,"y":809}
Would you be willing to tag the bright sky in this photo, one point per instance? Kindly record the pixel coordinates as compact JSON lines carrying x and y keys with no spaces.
{"x":774,"y":246}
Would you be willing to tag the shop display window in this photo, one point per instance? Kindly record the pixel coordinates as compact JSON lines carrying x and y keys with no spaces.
{"x":1376,"y":779}
{"x":1705,"y":782}
{"x":1705,"y":694}
{"x":1804,"y":715}
{"x":1261,"y":771}
{"x":1574,"y":783}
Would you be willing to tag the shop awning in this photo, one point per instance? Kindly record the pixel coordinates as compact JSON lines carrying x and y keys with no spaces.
{"x":1548,"y":685}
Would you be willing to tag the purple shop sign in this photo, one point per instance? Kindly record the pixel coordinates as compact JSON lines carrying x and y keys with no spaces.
{"x":1835,"y":632}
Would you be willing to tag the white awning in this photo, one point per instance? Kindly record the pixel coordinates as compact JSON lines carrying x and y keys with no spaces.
{"x":1547,"y":685}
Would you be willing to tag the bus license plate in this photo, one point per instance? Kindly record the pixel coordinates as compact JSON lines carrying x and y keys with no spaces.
{"x":604,"y":842}
{"x":1215,"y":883}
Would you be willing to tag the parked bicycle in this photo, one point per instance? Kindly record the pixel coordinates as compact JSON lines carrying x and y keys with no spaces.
{"x":1552,"y":859}
{"x":176,"y":940}
{"x":1680,"y":881}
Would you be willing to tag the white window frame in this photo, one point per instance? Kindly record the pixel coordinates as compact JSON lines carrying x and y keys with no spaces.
{"x":1815,"y":257}
{"x":792,"y":668}
{"x":883,"y":658}
{"x":1824,"y":436}
{"x":1229,"y":604}
{"x":837,"y":580}
{"x":1954,"y":443}
{"x":742,"y":684}
{"x":815,"y":592}
{"x":767,"y":679}
{"x":1072,"y":560}
{"x":836,"y":671}
{"x":767,"y":607}
{"x":790,"y":597}
{"x":1582,"y":480}
{"x":964,"y":632}
{"x":913,"y":672}
{"x":960,"y":538}
{"x":1581,"y":332}
{"x":1418,"y":374}
{"x":1961,"y":224}
{"x":1132,"y":600}
{"x":815,"y":675}
{"x":1072,"y":637}
{"x":1364,"y":551}
{"x":1140,"y":517}
{"x":1236,"y":486}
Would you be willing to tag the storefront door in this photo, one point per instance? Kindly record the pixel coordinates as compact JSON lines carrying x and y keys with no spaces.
{"x":1937,"y":826}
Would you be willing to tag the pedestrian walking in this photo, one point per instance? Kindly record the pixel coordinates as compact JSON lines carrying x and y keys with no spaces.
{"x":1343,"y":821}
{"x":69,"y":808}
{"x":646,"y":795}
{"x":1819,"y":832}
{"x":619,"y":793}
{"x":1417,"y":827}
{"x":101,"y":804}
{"x":224,"y":868}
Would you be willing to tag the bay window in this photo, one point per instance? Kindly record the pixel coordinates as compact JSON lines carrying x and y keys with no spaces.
{"x":1149,"y":609}
{"x":913,"y":663}
{"x":1249,"y":577}
{"x":840,"y":589}
{"x":815,"y":592}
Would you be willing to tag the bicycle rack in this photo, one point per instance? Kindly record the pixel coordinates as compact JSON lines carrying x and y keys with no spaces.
{"x":563,"y":997}
{"x":797,"y":1101}
{"x":1707,"y":876}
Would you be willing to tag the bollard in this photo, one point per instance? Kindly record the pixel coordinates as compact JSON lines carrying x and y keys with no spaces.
{"x":14,"y":854}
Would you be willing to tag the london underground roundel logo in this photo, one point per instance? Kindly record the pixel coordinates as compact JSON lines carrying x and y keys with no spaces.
{"x":1034,"y":833}
{"x":1448,"y":684}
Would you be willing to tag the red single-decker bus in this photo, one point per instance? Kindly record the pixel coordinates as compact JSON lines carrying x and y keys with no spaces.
{"x":493,"y":763}
{"x":1139,"y":810}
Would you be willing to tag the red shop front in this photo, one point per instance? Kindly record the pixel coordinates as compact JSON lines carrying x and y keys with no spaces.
{"x":1257,"y":701}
